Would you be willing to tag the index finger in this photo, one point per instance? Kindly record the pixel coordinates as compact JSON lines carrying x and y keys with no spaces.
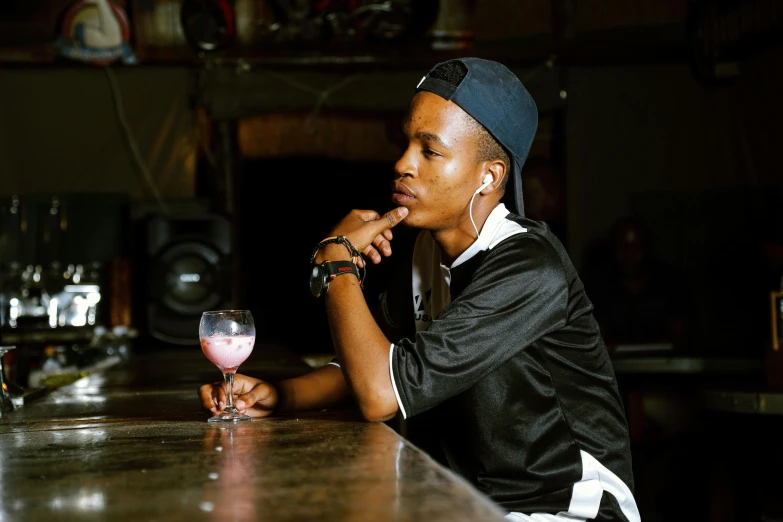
{"x":392,"y":218}
{"x":380,"y":228}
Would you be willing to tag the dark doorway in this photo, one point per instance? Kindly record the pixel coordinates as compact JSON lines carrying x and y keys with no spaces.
{"x":287,"y":206}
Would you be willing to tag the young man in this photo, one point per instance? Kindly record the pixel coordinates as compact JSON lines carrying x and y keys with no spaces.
{"x":490,"y":337}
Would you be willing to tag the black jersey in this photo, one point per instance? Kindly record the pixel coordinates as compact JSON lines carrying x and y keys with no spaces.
{"x":502,"y":355}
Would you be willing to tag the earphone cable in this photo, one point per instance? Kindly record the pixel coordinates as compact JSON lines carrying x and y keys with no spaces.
{"x":470,"y":212}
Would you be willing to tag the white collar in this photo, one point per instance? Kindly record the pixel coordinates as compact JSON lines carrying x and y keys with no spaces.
{"x":487,"y":234}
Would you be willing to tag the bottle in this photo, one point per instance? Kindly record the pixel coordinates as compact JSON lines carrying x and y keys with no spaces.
{"x":49,"y":366}
{"x":51,"y":363}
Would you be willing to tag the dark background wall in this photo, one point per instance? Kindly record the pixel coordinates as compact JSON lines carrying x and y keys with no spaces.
{"x":641,"y":133}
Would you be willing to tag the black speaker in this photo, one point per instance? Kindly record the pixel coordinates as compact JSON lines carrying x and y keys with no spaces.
{"x":186,"y":271}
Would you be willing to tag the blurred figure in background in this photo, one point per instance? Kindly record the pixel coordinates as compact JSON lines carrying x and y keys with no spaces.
{"x":544,"y":193}
{"x":638,"y":299}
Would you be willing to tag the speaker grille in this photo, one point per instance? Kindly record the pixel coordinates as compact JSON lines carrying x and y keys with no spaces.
{"x":187,"y":273}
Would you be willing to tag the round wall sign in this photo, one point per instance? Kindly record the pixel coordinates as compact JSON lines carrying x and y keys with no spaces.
{"x":97,"y":32}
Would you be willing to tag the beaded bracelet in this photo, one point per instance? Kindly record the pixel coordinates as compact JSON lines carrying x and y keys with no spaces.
{"x":336,"y":239}
{"x":354,"y":254}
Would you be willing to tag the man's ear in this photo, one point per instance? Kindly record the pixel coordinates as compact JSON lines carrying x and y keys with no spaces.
{"x":498,"y":170}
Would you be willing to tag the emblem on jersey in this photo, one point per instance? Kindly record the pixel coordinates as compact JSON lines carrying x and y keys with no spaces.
{"x":423,"y":306}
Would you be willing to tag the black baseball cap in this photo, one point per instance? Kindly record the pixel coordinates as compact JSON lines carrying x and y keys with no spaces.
{"x":496,"y":98}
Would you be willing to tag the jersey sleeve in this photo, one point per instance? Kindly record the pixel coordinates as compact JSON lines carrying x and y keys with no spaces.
{"x":517,"y":295}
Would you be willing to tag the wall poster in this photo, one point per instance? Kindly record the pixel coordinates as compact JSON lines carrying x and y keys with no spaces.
{"x":97,"y":32}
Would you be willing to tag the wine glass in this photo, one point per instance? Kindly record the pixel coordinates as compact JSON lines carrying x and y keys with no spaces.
{"x":6,"y":404}
{"x":227,"y":339}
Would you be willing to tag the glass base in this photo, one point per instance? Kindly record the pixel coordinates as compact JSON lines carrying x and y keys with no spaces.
{"x":229,"y":415}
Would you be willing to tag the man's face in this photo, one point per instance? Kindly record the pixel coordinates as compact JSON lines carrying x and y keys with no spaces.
{"x":437,"y":173}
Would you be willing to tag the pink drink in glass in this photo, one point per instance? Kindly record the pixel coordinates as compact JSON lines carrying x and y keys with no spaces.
{"x":228,"y":352}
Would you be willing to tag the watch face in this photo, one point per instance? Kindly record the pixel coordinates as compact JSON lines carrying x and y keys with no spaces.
{"x":320,"y":275}
{"x":316,"y":281}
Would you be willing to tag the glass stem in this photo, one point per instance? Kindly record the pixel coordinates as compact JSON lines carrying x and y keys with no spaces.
{"x":229,"y":378}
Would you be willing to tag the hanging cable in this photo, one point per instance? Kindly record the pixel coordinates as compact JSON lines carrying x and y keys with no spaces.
{"x":142,"y":165}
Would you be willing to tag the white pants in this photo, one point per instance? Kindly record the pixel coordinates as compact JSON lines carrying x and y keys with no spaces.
{"x":542,"y":517}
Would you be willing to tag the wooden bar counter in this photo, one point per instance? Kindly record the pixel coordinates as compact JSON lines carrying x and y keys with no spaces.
{"x":132,"y":443}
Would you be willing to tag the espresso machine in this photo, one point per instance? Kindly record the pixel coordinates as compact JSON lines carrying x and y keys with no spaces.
{"x":55,"y":297}
{"x":54,"y":291}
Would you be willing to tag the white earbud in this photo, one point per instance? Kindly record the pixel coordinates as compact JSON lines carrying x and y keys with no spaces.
{"x":487,"y":180}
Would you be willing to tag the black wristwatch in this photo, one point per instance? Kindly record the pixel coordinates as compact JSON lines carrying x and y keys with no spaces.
{"x":321,"y":275}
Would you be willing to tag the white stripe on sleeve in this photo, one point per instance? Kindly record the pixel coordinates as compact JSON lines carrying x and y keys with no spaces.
{"x":394,"y":384}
